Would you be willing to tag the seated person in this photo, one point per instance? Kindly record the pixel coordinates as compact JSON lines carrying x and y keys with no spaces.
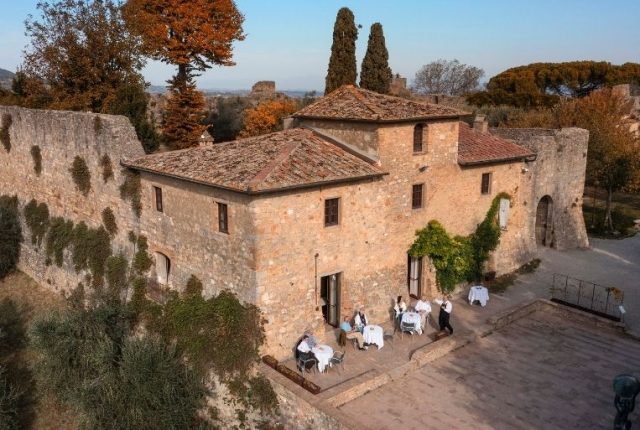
{"x":400,"y":307}
{"x":423,"y":307}
{"x":311,"y":340}
{"x":303,"y":351}
{"x":360,"y":320}
{"x":353,"y":334}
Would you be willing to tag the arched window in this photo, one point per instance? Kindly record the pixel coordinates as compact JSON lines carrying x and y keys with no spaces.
{"x":163,"y":268}
{"x":418,"y":137}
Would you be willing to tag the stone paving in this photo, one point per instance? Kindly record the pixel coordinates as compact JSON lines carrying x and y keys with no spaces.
{"x":539,"y":372}
{"x":529,"y":374}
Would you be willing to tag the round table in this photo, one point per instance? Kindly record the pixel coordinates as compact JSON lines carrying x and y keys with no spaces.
{"x":479,"y":293}
{"x":413,"y":318}
{"x":373,"y":335}
{"x":323,"y":354}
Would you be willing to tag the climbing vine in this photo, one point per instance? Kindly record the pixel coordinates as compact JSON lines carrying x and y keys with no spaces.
{"x":81,"y":175}
{"x":5,"y":137}
{"x":97,"y":124}
{"x":10,"y":234}
{"x":37,"y":159}
{"x":107,"y":168}
{"x":90,"y":250}
{"x":109,"y":221}
{"x":37,"y":219}
{"x":130,"y":190}
{"x":58,"y":238}
{"x":459,"y":258}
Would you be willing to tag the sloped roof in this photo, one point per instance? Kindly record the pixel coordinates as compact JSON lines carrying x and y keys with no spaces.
{"x":357,"y":104}
{"x":286,"y":159}
{"x":475,"y":147}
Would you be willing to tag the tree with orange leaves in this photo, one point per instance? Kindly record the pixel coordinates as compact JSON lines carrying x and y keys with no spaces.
{"x":192,"y":35}
{"x":266,"y":117}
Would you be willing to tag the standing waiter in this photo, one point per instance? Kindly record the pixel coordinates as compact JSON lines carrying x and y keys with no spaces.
{"x":445,"y":313}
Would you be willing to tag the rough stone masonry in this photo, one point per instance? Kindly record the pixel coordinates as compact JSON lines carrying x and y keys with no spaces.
{"x":277,"y":250}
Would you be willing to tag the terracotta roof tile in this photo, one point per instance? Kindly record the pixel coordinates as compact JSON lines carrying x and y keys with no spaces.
{"x":357,"y":104}
{"x":475,"y":147}
{"x":286,"y":159}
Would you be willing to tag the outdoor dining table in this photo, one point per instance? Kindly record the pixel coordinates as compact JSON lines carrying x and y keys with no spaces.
{"x":323,"y":354}
{"x":373,"y":335}
{"x":480,"y":293}
{"x":413,"y":318}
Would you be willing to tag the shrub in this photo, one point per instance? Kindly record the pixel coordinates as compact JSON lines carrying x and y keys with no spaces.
{"x":107,"y":168}
{"x":81,"y":175}
{"x":109,"y":221}
{"x":58,"y":238}
{"x":130,"y":190}
{"x":10,"y":235}
{"x":10,"y":399}
{"x":37,"y":219}
{"x":220,"y":332}
{"x":12,"y":330}
{"x":5,"y":137}
{"x":37,"y":159}
{"x":91,"y":249}
{"x":91,"y":362}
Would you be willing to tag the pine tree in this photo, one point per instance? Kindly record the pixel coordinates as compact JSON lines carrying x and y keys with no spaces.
{"x":375,"y":74}
{"x":342,"y":64}
{"x":182,"y":122}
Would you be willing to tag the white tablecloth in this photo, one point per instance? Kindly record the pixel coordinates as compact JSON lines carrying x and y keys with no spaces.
{"x":479,"y":293}
{"x":373,"y":334}
{"x":323,"y":354}
{"x":413,"y":318}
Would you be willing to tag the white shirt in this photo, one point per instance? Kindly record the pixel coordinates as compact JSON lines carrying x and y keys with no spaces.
{"x":402,"y":307}
{"x":358,"y":321}
{"x":421,"y":305}
{"x":447,"y":305}
{"x":304,"y":346}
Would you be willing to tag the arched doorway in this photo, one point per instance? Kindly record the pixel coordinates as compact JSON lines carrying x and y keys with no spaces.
{"x":544,"y":222}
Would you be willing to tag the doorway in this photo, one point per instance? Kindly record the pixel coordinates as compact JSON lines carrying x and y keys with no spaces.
{"x":414,"y":272}
{"x":330,"y":295}
{"x":544,"y":222}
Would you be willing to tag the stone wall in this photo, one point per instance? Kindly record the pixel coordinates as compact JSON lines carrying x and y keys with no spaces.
{"x":61,"y":136}
{"x":187,"y":232}
{"x":377,"y":226}
{"x":558,"y":172}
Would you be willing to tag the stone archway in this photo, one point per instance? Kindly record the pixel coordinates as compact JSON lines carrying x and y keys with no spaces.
{"x":544,"y":222}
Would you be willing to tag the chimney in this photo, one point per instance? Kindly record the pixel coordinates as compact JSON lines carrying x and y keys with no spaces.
{"x":481,"y":124}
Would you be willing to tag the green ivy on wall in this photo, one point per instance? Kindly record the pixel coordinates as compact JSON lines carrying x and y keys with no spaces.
{"x":130,"y":190}
{"x":107,"y":168}
{"x":59,"y":237}
{"x":109,"y":221}
{"x":5,"y":137}
{"x":37,"y":159}
{"x":81,"y":175}
{"x":37,"y":219}
{"x":459,"y":258}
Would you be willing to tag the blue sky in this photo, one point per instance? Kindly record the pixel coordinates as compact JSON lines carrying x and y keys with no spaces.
{"x":289,"y":41}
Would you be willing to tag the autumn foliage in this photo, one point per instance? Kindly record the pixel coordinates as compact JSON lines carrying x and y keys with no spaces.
{"x":192,"y":35}
{"x":266,"y":117}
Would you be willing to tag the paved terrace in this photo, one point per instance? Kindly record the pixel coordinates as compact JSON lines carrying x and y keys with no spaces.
{"x":525,"y":375}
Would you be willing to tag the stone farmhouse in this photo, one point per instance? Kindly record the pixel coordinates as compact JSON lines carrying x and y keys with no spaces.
{"x":314,"y":221}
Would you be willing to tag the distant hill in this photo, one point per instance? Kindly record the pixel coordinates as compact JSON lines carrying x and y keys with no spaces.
{"x":5,"y":78}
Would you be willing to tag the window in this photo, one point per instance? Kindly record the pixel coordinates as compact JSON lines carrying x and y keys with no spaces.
{"x":158,"y":192}
{"x":331,"y":212}
{"x":486,"y":183}
{"x":418,"y":131}
{"x":416,"y":196}
{"x":223,"y":219}
{"x":163,"y":268}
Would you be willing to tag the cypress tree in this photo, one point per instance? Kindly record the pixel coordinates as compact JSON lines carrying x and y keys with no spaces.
{"x":342,"y":64}
{"x":375,"y":74}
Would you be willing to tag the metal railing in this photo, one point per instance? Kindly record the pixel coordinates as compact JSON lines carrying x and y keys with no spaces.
{"x":598,"y":299}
